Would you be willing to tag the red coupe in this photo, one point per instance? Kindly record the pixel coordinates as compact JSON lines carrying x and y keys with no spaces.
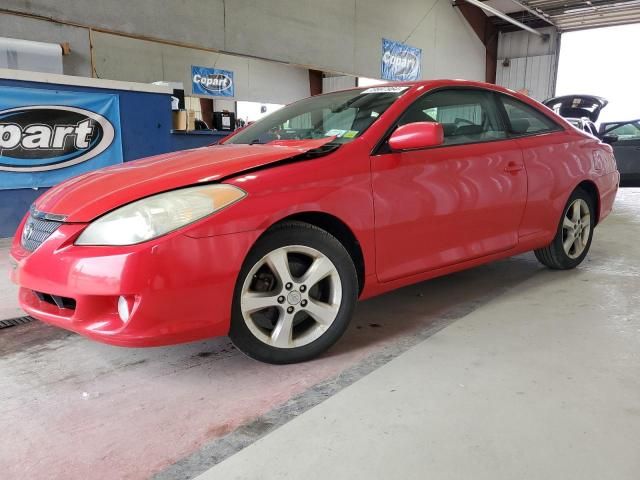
{"x":272,"y":236}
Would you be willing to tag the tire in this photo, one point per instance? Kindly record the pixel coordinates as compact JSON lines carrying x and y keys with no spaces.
{"x":287,"y":314}
{"x":556,"y":255}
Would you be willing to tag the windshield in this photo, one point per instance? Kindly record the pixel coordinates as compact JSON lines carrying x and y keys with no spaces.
{"x":344,"y":115}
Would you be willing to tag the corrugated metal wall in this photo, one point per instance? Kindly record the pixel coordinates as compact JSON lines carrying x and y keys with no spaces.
{"x":528,"y":62}
{"x":338,"y":82}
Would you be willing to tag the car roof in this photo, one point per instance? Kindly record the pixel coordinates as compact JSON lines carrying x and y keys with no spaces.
{"x":454,"y":82}
{"x":443,"y":82}
{"x":448,"y":82}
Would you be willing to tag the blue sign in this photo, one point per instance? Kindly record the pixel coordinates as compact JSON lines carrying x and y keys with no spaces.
{"x":47,"y":136}
{"x":400,"y":62}
{"x":212,"y":81}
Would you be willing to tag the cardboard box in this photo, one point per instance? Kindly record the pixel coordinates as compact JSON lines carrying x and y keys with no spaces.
{"x":180,"y":120}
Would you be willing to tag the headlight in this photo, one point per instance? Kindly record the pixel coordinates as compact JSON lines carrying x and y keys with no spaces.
{"x":154,"y":216}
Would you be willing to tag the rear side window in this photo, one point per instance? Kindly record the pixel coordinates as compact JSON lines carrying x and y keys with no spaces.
{"x":467,"y":116}
{"x":625,"y":131}
{"x":526,"y":120}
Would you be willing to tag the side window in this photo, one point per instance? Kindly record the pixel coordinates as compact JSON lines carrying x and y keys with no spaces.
{"x":526,"y":120}
{"x":466,"y":115}
{"x":626,"y":132}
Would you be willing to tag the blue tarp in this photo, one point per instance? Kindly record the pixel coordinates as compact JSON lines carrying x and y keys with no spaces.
{"x":400,"y":62}
{"x":47,"y":136}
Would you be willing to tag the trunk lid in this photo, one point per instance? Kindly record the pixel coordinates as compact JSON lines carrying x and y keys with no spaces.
{"x":577,"y":106}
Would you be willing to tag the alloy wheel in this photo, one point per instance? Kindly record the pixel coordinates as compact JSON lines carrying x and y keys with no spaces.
{"x":291,"y":296}
{"x":576,"y":228}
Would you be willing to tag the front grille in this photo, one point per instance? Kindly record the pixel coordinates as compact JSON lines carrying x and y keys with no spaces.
{"x":60,"y":302}
{"x":36,"y":231}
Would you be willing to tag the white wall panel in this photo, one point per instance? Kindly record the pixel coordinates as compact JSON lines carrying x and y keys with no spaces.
{"x":339,"y":82}
{"x":123,"y":58}
{"x":523,"y":44}
{"x":305,"y":32}
{"x":196,"y":22}
{"x":526,"y":61}
{"x":342,"y":36}
{"x":535,"y":74}
{"x":450,"y":48}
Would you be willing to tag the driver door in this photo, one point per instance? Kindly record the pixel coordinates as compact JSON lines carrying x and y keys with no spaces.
{"x":626,"y":149}
{"x":455,"y":202}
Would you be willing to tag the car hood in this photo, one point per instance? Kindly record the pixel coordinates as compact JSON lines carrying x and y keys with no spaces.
{"x":83,"y":198}
{"x":577,"y":106}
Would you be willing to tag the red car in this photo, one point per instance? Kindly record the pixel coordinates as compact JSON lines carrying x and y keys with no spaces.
{"x":273,"y":236}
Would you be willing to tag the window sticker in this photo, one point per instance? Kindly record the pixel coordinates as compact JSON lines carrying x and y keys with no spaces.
{"x":335,"y":132}
{"x":385,"y":90}
{"x":350,"y":134}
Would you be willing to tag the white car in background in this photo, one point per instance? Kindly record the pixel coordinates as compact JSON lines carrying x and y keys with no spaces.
{"x":581,"y":111}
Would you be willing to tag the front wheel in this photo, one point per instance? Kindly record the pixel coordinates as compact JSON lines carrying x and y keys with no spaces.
{"x":573,"y":237}
{"x":294,"y":296}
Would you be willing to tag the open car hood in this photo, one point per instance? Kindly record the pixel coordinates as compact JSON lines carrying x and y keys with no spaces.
{"x":577,"y":106}
{"x":83,"y":198}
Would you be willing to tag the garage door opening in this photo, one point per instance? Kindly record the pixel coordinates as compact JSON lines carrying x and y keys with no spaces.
{"x":602,"y":62}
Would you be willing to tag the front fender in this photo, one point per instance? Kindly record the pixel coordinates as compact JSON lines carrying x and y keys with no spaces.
{"x":338,"y":185}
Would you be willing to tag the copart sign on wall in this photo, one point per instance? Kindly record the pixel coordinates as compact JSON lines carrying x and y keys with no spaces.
{"x":48,"y":136}
{"x":400,"y":62}
{"x":212,"y":81}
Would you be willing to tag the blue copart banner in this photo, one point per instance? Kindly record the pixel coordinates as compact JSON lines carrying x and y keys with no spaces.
{"x":47,"y":136}
{"x":400,"y":62}
{"x":212,"y":81}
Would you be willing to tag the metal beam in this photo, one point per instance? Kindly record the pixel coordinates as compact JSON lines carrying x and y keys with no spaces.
{"x":533,"y":11}
{"x":600,"y":12}
{"x":600,"y":21}
{"x":588,"y":26}
{"x":505,"y":17}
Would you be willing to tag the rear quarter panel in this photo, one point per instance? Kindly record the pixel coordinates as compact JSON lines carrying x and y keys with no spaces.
{"x":556,"y":164}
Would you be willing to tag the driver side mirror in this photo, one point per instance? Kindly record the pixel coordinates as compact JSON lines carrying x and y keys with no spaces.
{"x":610,"y":138}
{"x":414,"y":136}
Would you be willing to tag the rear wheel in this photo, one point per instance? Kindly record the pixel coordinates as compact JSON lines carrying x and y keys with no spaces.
{"x":294,"y":296}
{"x":573,"y":238}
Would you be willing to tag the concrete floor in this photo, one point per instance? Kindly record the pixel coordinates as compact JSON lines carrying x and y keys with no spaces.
{"x":505,"y":371}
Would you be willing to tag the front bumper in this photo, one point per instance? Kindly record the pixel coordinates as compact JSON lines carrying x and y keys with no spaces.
{"x":180,"y":288}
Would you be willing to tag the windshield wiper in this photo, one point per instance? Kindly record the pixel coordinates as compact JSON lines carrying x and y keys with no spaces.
{"x":255,"y":141}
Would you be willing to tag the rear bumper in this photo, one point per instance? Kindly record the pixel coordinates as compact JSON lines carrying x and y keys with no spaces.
{"x":180,"y":288}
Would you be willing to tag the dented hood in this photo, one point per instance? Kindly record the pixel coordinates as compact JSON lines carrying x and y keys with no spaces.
{"x":83,"y":198}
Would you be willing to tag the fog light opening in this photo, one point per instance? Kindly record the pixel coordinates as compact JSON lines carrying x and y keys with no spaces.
{"x":124,"y":308}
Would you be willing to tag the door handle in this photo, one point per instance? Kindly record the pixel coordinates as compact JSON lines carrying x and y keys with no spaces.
{"x":513,"y":167}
